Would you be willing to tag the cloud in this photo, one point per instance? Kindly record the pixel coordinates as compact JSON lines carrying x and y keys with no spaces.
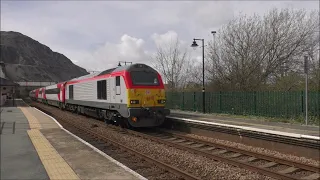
{"x":98,"y":34}
{"x":129,"y":49}
{"x":163,"y":39}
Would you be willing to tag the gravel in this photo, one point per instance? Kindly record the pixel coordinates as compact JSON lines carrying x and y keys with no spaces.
{"x":259,"y":150}
{"x":197,"y":165}
{"x":302,"y":173}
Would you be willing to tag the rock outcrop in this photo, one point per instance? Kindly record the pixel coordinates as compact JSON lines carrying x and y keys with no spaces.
{"x":25,"y":59}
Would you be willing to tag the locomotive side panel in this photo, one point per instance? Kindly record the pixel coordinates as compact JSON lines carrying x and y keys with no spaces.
{"x":85,"y":91}
{"x":98,"y":93}
{"x":119,"y":90}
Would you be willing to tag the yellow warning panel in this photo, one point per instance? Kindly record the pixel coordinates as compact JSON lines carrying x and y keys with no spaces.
{"x":33,"y":121}
{"x":55,"y":165}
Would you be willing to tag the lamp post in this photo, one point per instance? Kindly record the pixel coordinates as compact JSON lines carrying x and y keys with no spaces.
{"x":306,"y":68}
{"x":194,"y":45}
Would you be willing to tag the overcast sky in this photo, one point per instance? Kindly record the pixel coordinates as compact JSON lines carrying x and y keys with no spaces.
{"x":97,"y":34}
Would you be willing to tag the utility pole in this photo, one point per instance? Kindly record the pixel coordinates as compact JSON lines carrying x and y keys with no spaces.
{"x":319,"y":84}
{"x":306,"y":91}
{"x":213,"y":54}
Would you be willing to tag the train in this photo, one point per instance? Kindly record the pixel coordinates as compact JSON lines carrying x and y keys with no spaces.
{"x":131,"y":96}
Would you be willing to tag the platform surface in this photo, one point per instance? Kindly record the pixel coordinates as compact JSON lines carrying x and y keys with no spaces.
{"x":33,"y":146}
{"x":19,"y":159}
{"x":253,"y":123}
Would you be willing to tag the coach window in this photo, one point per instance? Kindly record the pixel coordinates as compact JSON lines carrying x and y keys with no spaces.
{"x":118,"y":90}
{"x":71,"y":92}
{"x":53,"y":91}
{"x":102,"y":89}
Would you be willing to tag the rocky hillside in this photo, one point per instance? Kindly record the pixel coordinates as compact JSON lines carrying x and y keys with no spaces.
{"x":25,"y":59}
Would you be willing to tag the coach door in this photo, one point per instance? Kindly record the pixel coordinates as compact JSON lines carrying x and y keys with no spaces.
{"x":118,"y":87}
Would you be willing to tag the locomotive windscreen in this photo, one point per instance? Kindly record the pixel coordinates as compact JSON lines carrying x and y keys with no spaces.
{"x":144,"y":78}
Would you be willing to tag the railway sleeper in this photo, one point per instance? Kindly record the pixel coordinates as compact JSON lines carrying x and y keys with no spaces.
{"x":269,"y":164}
{"x":154,"y":173}
{"x":312,"y":176}
{"x":288,"y":170}
{"x":235,"y":155}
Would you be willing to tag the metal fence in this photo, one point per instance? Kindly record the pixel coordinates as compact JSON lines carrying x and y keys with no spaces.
{"x":270,"y":104}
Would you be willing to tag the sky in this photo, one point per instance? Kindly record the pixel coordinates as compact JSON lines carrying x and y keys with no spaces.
{"x":96,"y":35}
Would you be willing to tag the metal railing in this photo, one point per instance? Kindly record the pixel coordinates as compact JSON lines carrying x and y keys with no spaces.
{"x":270,"y":104}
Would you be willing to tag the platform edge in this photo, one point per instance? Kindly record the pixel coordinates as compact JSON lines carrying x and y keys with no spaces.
{"x":95,"y":149}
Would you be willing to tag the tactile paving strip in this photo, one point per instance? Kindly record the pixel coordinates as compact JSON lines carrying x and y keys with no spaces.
{"x":54,"y":164}
{"x":33,"y":121}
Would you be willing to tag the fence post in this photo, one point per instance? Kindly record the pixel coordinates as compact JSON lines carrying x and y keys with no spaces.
{"x":194,"y":101}
{"x":208,"y":103}
{"x":318,"y":110}
{"x":255,"y":102}
{"x":302,"y":102}
{"x":182,"y":101}
{"x":220,"y":102}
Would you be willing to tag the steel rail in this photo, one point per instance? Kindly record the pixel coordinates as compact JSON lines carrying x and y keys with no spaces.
{"x":251,"y":134}
{"x":245,"y":165}
{"x":165,"y":166}
{"x":311,"y":168}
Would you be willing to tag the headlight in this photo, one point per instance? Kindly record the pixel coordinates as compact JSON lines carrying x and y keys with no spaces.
{"x":161,"y":101}
{"x":134,"y":101}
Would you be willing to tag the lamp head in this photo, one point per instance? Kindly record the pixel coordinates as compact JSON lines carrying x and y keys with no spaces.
{"x":194,"y":44}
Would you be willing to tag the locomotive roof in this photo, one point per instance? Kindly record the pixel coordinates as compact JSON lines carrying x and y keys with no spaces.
{"x":108,"y":71}
{"x":121,"y":68}
{"x":86,"y":76}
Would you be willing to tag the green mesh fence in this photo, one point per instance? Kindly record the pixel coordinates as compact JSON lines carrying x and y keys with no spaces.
{"x":271,"y":104}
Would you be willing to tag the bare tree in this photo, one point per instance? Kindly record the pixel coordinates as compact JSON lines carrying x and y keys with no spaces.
{"x":173,"y":61}
{"x":253,"y":51}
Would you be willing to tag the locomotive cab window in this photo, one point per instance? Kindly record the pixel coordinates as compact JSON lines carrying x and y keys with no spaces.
{"x":102,"y":89}
{"x":118,"y":90}
{"x":71,"y":92}
{"x":144,"y":78}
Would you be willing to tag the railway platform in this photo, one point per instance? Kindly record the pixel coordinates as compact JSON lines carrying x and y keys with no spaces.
{"x":284,"y":129}
{"x":35,"y":146}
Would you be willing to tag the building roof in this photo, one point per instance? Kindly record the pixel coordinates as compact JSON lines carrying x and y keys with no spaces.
{"x":7,"y":82}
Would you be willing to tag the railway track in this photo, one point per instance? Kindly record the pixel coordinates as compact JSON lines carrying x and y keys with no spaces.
{"x":312,"y":144}
{"x":136,"y":160}
{"x":267,"y":165}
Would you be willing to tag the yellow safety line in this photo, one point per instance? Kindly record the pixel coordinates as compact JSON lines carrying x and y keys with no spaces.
{"x":55,"y":165}
{"x":33,"y":121}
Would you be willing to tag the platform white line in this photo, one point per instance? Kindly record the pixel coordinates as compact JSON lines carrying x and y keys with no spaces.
{"x":302,"y":136}
{"x":95,"y":149}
